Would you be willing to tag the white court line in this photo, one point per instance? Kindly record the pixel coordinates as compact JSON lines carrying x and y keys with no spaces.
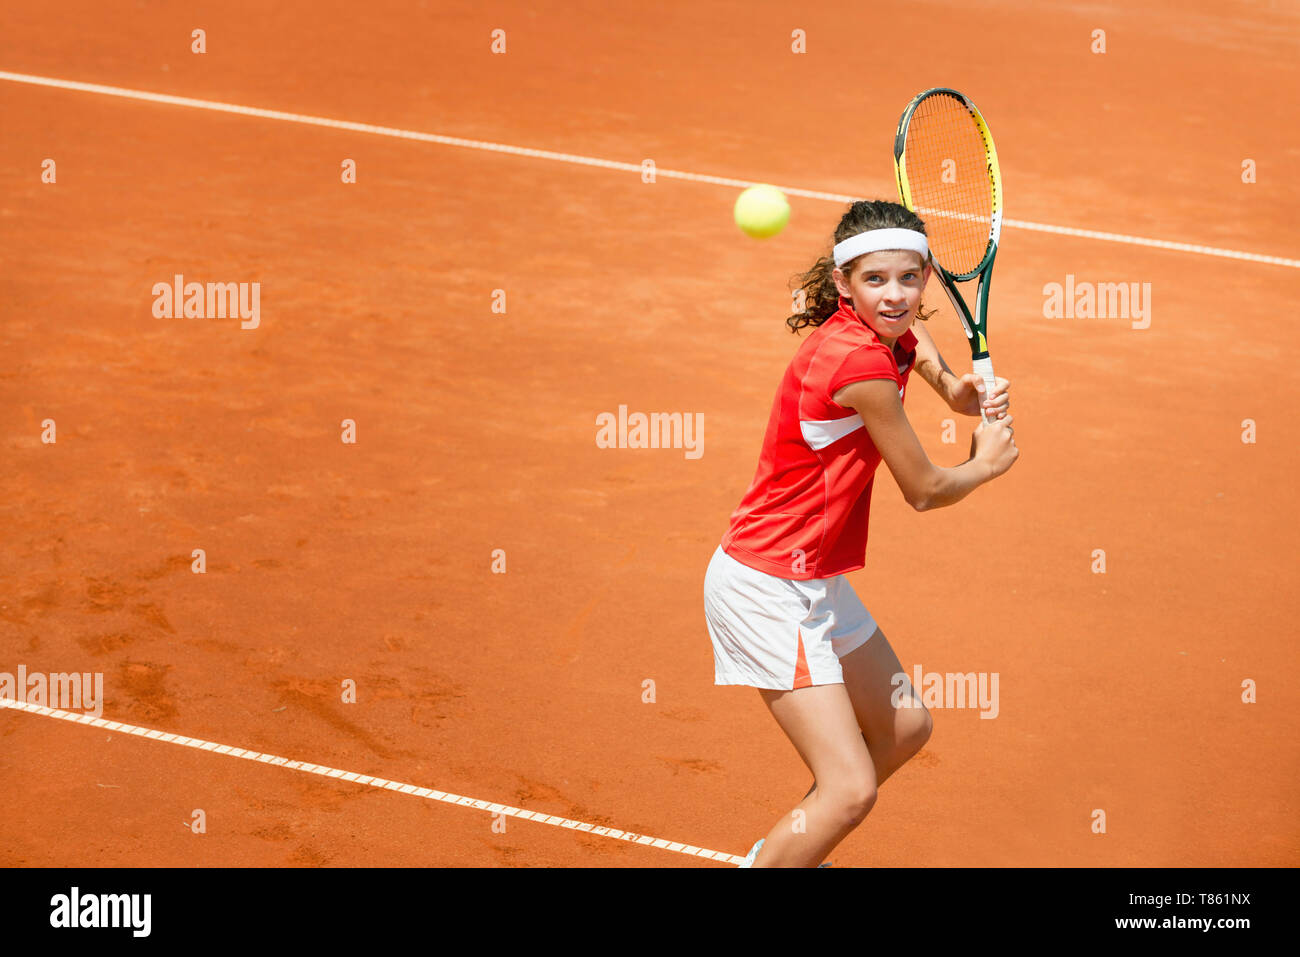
{"x":373,"y":782}
{"x":605,"y":164}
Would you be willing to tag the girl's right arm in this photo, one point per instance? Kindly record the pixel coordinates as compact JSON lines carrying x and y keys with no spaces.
{"x":924,"y":484}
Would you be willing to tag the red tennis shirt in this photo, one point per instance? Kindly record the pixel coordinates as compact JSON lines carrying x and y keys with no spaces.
{"x":806,"y":512}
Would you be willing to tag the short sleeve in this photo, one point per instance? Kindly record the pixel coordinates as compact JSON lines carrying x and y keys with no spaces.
{"x":868,"y":362}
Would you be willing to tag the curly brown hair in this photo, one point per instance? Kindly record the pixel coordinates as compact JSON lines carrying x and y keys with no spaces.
{"x":821,"y":298}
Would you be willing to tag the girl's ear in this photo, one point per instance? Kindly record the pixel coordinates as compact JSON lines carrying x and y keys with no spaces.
{"x":841,"y":282}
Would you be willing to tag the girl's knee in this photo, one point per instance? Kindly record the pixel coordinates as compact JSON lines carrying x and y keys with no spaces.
{"x":923,"y":731}
{"x":910,"y":735}
{"x":915,"y":732}
{"x":851,"y":799}
{"x":861,"y":802}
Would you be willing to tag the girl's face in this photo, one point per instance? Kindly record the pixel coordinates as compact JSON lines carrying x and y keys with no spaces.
{"x":886,"y":289}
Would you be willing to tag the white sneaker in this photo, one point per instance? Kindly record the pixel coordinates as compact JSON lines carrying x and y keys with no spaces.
{"x":753,"y":853}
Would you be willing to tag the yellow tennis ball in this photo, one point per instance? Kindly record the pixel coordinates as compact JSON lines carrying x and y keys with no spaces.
{"x":762,"y":211}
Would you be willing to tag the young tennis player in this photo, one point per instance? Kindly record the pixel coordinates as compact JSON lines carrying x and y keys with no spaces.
{"x":781,"y":613}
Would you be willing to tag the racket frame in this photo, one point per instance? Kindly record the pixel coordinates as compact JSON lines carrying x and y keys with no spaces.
{"x":975,"y":326}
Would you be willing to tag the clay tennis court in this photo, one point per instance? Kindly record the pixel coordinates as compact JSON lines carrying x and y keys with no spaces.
{"x":575,"y":684}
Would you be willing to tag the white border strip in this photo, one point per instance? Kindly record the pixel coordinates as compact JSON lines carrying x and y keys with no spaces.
{"x":604,"y":164}
{"x":373,"y":782}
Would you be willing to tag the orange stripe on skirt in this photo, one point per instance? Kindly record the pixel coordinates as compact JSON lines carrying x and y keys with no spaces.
{"x":802,"y":679}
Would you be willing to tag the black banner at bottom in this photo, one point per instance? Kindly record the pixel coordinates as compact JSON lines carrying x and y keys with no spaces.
{"x":558,"y":907}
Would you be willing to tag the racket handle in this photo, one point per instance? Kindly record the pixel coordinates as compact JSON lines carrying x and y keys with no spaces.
{"x":984,"y":369}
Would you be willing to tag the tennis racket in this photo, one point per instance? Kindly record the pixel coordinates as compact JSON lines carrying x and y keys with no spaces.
{"x":948,"y":175}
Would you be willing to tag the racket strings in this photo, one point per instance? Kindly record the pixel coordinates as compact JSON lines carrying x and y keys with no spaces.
{"x":947,"y":175}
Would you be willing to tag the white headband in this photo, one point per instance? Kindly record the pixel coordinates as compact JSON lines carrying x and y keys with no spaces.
{"x":874,"y":240}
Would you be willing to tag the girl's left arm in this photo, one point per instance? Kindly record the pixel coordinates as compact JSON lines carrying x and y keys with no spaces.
{"x":930,"y":365}
{"x":964,"y":394}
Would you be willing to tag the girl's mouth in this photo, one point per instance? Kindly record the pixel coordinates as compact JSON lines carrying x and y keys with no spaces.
{"x":894,"y":315}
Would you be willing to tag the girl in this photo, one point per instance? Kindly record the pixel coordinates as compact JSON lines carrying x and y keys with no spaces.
{"x":781,"y":613}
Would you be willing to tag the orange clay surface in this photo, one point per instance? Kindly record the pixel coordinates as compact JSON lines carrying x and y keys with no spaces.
{"x":1119,"y":692}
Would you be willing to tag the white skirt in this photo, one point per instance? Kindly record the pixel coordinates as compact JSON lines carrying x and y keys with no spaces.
{"x":780,"y":633}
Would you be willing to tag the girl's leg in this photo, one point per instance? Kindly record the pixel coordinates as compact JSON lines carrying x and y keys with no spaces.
{"x":893,"y":733}
{"x":821,"y":724}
